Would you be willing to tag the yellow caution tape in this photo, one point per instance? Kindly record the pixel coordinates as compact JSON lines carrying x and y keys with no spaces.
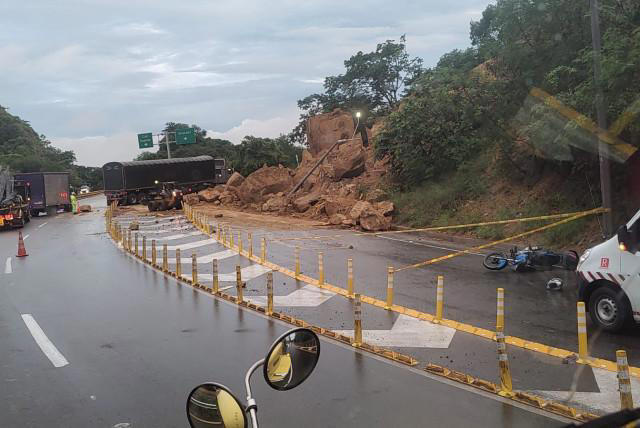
{"x":501,"y":241}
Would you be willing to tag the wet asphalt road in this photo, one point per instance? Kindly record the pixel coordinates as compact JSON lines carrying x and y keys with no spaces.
{"x":137,"y":342}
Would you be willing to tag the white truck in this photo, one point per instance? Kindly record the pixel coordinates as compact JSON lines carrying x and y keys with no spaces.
{"x":609,"y":278}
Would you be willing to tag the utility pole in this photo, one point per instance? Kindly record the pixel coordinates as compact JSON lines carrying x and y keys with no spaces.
{"x":166,"y":140}
{"x":603,"y":148}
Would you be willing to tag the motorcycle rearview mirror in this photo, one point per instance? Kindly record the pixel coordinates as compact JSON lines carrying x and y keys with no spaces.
{"x":213,"y":404}
{"x":291,"y":359}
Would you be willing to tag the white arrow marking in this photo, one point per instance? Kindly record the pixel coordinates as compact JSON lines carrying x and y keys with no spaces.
{"x":607,"y":400}
{"x":7,"y":266}
{"x":25,"y":237}
{"x":248,"y":273}
{"x":49,"y":349}
{"x":408,"y":332}
{"x":307,"y":296}
{"x":207,"y":258}
{"x":43,"y":224}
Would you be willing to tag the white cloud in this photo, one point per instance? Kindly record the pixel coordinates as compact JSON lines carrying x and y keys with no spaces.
{"x":98,"y":150}
{"x":138,"y":29}
{"x":269,"y":128}
{"x":313,"y":81}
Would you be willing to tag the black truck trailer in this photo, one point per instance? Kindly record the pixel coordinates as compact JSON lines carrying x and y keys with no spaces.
{"x":137,"y":181}
{"x":49,"y":190}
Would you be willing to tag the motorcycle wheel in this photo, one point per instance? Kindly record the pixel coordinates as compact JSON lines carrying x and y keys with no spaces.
{"x":495,"y":261}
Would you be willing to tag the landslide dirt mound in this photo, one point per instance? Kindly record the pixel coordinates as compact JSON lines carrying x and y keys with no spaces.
{"x":348,"y":175}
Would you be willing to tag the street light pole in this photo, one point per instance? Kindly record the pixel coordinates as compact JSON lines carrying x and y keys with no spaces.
{"x":166,"y":140}
{"x":603,"y":148}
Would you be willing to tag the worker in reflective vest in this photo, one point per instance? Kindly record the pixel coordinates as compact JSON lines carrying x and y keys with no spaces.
{"x":74,"y":203}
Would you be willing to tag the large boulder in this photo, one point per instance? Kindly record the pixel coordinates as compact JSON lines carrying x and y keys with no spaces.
{"x":359,"y":208}
{"x":337,"y":205}
{"x":191,"y":199}
{"x":235,"y":180}
{"x":209,"y":195}
{"x":374,"y":221}
{"x":323,"y":130}
{"x":267,"y":179}
{"x":337,"y":219}
{"x":346,"y":161}
{"x":303,"y":203}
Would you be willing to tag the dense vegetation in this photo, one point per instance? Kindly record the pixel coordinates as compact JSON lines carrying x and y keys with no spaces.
{"x":472,"y":120}
{"x":246,"y":157}
{"x":23,"y":150}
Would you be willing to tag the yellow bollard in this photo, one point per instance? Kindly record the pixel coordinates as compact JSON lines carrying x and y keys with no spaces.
{"x":263,"y":250}
{"x":269,"y":310}
{"x":137,"y":254}
{"x":297,"y":257}
{"x":129,"y":243}
{"x":500,"y":309}
{"x":165,"y":258}
{"x":216,"y":286}
{"x":144,"y":248}
{"x":231,"y":243}
{"x":240,"y":297}
{"x":624,"y":382}
{"x":583,"y":350}
{"x":154,"y":256}
{"x":506,"y":385}
{"x":389,"y":288}
{"x":439,"y":299}
{"x":218,"y":232}
{"x":194,"y":269}
{"x":320,"y":268}
{"x":240,"y":242}
{"x":350,"y":278}
{"x":357,"y":321}
{"x":250,"y":244}
{"x":178,"y":264}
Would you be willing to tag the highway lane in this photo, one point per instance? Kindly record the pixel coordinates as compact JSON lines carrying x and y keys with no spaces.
{"x":136,"y":342}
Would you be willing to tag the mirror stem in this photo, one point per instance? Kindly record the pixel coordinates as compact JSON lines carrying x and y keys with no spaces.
{"x":251,"y":403}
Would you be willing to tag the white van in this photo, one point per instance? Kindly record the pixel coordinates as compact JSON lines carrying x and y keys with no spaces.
{"x":609,"y":278}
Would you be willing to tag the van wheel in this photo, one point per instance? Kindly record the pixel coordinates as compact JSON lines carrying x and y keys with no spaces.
{"x":609,"y":309}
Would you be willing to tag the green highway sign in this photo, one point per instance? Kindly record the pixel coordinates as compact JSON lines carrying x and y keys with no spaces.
{"x":145,"y":141}
{"x":185,"y":136}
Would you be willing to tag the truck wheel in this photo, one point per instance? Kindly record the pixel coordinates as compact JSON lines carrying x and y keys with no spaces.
{"x":35,"y":213}
{"x":132,"y":199}
{"x":609,"y":309}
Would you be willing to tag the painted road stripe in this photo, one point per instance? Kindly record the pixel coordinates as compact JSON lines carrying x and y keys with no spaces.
{"x":25,"y":237}
{"x":208,"y":258}
{"x":192,"y":245}
{"x":248,"y":273}
{"x":48,"y":348}
{"x":7,"y":266}
{"x":177,"y":236}
{"x":307,"y":296}
{"x":166,"y":230}
{"x":43,"y":224}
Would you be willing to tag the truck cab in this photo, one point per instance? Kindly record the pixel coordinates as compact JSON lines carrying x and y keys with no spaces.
{"x":609,"y":278}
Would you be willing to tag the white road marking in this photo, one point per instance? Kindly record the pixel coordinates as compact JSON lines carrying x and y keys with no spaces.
{"x":428,"y":245}
{"x":177,"y":236}
{"x":307,"y":296}
{"x":43,"y":224}
{"x":7,"y":266}
{"x":408,"y":332}
{"x":25,"y":237}
{"x":192,"y":245}
{"x":248,"y":273}
{"x":207,"y":258}
{"x":168,"y":229}
{"x":48,"y":348}
{"x":607,"y":400}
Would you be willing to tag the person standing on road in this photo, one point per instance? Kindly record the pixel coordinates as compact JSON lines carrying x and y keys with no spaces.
{"x":74,"y":203}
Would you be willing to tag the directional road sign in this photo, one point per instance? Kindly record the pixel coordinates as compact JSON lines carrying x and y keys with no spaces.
{"x":145,"y":141}
{"x":185,"y":136}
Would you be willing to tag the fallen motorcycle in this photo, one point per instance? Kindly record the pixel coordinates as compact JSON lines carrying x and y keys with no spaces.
{"x":532,"y":258}
{"x":288,"y":363}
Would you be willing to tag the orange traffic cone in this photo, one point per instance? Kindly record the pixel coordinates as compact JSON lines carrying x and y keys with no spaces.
{"x":21,"y":251}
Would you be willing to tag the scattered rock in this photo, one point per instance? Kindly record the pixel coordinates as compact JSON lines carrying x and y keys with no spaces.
{"x":275,"y":203}
{"x":84,"y":208}
{"x":218,"y":215}
{"x":358,"y":208}
{"x":338,"y":205}
{"x":385,"y":207}
{"x":373,"y":221}
{"x":337,"y":219}
{"x":375,"y":195}
{"x":235,"y":180}
{"x":209,"y":195}
{"x":134,"y":225}
{"x":191,"y":199}
{"x":346,"y":161}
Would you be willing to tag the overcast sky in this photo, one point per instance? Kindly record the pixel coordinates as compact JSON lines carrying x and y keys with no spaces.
{"x":91,"y":74}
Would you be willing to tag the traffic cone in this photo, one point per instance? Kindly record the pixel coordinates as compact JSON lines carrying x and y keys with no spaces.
{"x":21,"y":250}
